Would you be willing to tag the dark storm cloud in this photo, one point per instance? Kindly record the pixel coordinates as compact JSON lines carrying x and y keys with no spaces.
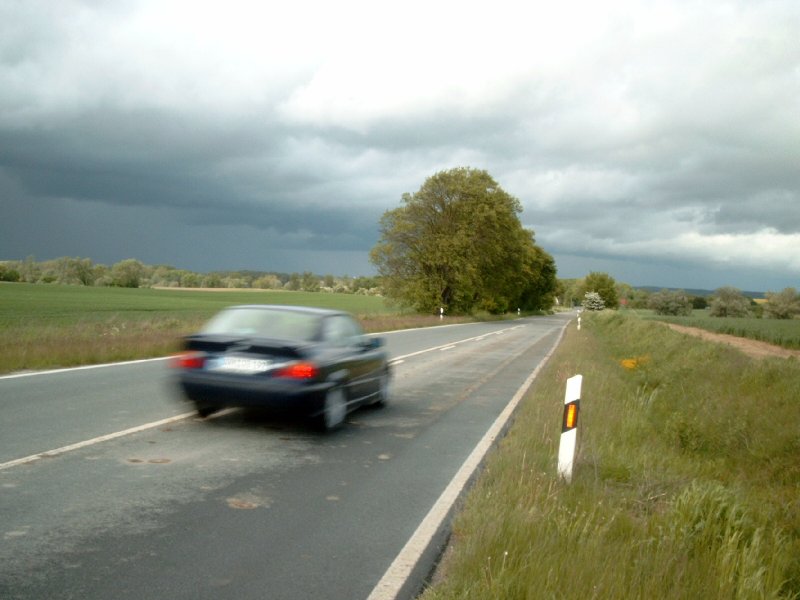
{"x":250,"y":137}
{"x":164,"y":160}
{"x":110,"y":155}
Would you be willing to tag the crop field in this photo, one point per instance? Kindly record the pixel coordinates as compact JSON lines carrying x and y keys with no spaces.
{"x":686,"y":482}
{"x":21,"y":301}
{"x":44,"y":326}
{"x":782,"y":332}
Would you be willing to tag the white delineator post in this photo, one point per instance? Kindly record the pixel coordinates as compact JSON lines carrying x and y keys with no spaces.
{"x":569,"y":427}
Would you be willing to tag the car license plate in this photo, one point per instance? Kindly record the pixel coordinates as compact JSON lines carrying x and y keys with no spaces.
{"x":240,"y":364}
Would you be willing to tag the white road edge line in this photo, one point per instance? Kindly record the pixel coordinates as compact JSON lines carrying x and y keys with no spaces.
{"x":400,"y":577}
{"x":97,"y":440}
{"x":84,"y":368}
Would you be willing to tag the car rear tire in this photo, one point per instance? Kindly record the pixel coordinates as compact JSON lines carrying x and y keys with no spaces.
{"x":334,"y":409}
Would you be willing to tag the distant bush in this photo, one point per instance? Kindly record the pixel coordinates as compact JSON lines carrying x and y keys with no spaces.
{"x":127,"y":273}
{"x":666,"y":302}
{"x":593,"y":301}
{"x":783,"y":305}
{"x":8,"y":274}
{"x":268,"y":282}
{"x":729,"y":302}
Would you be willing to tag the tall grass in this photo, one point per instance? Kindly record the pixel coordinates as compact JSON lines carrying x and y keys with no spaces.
{"x":686,"y":484}
{"x":91,"y":341}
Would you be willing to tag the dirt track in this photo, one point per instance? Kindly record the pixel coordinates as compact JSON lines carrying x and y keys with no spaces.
{"x":750,"y":347}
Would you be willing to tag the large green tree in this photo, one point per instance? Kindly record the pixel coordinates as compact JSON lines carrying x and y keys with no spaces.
{"x":457,"y":243}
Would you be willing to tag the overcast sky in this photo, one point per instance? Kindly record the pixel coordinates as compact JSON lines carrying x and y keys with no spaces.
{"x":656,"y":141}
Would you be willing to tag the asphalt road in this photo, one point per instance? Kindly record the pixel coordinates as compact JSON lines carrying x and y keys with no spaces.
{"x":241,"y":505}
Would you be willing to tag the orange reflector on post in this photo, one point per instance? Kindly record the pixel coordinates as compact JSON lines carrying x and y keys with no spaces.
{"x":570,"y":416}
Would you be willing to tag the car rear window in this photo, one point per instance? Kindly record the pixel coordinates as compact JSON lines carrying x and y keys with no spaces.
{"x":267,"y":323}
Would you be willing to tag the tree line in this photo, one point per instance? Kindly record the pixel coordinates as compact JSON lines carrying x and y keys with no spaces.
{"x":597,"y":291}
{"x":603,"y":290}
{"x":729,"y":301}
{"x":132,"y":273}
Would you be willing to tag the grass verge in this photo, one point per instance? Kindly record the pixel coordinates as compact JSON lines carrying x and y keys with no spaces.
{"x":51,"y":326}
{"x":686,"y":484}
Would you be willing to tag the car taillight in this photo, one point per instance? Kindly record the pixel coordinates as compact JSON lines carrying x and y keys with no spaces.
{"x":188,"y":360}
{"x":299,"y":370}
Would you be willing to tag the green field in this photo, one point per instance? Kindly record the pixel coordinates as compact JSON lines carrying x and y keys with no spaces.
{"x":44,"y":326}
{"x":781,"y":332}
{"x":21,"y":301}
{"x":686,"y":483}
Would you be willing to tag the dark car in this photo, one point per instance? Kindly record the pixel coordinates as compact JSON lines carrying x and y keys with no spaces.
{"x":309,"y":361}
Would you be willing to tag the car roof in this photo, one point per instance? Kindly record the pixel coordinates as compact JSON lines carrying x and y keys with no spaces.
{"x":309,"y":310}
